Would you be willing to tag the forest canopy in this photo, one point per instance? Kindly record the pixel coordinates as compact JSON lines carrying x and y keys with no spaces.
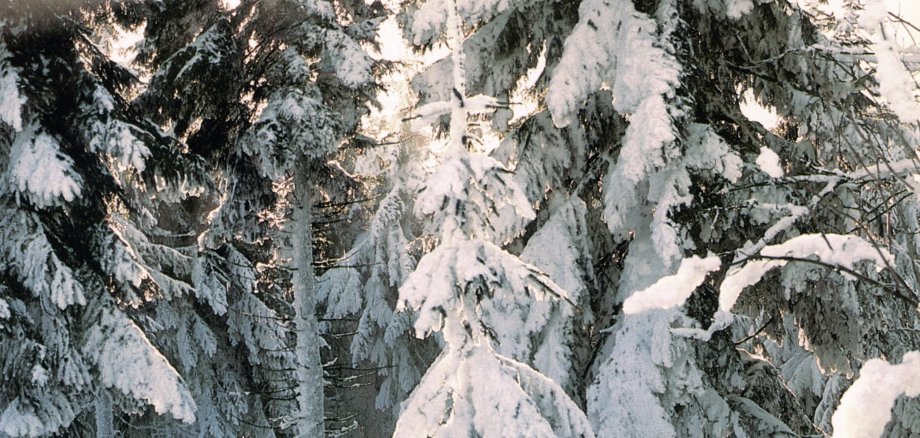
{"x":459,"y":218}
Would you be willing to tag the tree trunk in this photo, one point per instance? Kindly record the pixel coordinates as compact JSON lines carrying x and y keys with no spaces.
{"x":105,"y":427}
{"x":310,"y":422}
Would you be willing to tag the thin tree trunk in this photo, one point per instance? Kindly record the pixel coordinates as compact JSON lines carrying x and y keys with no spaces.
{"x":105,"y":427}
{"x":310,"y":374}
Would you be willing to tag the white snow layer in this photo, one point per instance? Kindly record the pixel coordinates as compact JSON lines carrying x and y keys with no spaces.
{"x":832,"y":249}
{"x":557,"y":249}
{"x":128,"y":362}
{"x":40,"y":172}
{"x":673,"y":290}
{"x":623,"y":399}
{"x":865,"y":407}
{"x":427,"y":114}
{"x":635,"y":64}
{"x":769,"y":163}
{"x":738,"y":8}
{"x":431,"y":18}
{"x":290,"y":122}
{"x":462,"y":181}
{"x":352,"y":65}
{"x":479,"y":393}
{"x":10,"y":100}
{"x":341,"y":290}
{"x":433,"y":288}
{"x":708,"y":152}
{"x":629,"y":61}
{"x":25,"y":247}
{"x":20,"y":419}
{"x":895,"y":83}
{"x":112,"y":136}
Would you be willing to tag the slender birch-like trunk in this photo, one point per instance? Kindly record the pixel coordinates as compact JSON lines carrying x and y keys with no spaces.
{"x":105,"y":427}
{"x":310,"y":422}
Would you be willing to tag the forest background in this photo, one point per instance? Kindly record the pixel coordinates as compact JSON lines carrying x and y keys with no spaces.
{"x":613,"y":218}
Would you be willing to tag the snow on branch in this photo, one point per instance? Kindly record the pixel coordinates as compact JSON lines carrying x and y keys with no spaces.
{"x":636,"y":62}
{"x":352,"y":65}
{"x":481,"y":393}
{"x":431,"y":19}
{"x":895,"y":82}
{"x":886,"y":169}
{"x":865,"y":407}
{"x":11,"y":109}
{"x":629,"y":60}
{"x":127,"y":361}
{"x":832,"y":249}
{"x":341,"y":290}
{"x":40,"y":172}
{"x":769,"y":163}
{"x":475,"y":195}
{"x":435,"y":286}
{"x":291,"y":122}
{"x":429,"y":113}
{"x":673,"y":290}
{"x":27,"y":252}
{"x":104,"y":132}
{"x":210,"y":282}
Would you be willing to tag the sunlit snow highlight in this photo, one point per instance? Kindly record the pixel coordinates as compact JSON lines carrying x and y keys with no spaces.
{"x":865,"y":408}
{"x":769,"y":163}
{"x":753,"y":110}
{"x":40,"y":171}
{"x":673,"y":290}
{"x":831,"y":249}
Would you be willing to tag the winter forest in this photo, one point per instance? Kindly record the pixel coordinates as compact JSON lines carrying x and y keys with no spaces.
{"x":460,"y":218}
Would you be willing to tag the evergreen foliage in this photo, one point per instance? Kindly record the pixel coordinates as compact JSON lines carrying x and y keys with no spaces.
{"x":547,"y":218}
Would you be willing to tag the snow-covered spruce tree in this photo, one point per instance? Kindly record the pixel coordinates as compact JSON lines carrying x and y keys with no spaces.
{"x":279,"y":85}
{"x":363,"y":286}
{"x":387,"y":252}
{"x":510,"y":54}
{"x":222,"y":335}
{"x":850,"y":150}
{"x":540,"y":149}
{"x":692,"y":174}
{"x":686,"y":139}
{"x":305,"y":121}
{"x":81,"y":268}
{"x":487,"y":303}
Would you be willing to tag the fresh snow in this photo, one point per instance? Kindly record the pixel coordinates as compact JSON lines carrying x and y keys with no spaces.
{"x":11,"y":101}
{"x":769,"y":163}
{"x":738,"y":8}
{"x":39,"y":170}
{"x":895,"y":83}
{"x":559,"y":249}
{"x":673,"y":290}
{"x":539,"y":198}
{"x":352,"y":63}
{"x":475,"y":293}
{"x":617,"y":46}
{"x":476,"y":392}
{"x":435,"y":285}
{"x":128,"y":362}
{"x":885,"y":169}
{"x":340,"y":289}
{"x":833,"y":249}
{"x":25,"y":247}
{"x":865,"y":407}
{"x":432,"y":18}
{"x":20,"y":419}
{"x":459,"y":182}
